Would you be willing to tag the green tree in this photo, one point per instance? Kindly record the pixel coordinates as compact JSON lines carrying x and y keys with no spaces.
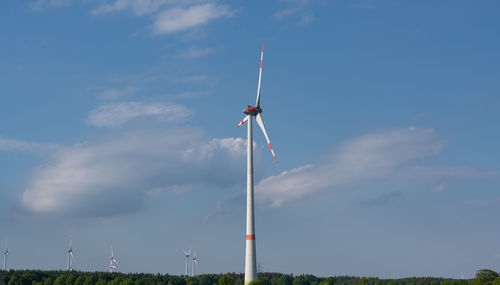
{"x":283,"y":280}
{"x":485,"y":276}
{"x":300,"y":280}
{"x":60,"y":280}
{"x":226,"y":280}
{"x":256,"y":282}
{"x":79,"y":280}
{"x":329,"y":281}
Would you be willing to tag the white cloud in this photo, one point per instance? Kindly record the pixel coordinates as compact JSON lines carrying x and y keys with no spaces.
{"x":114,"y":93}
{"x":138,"y":7}
{"x":115,"y":175}
{"x":170,"y":15}
{"x":180,"y":18}
{"x":371,"y":156}
{"x":115,"y":114}
{"x":15,"y":145}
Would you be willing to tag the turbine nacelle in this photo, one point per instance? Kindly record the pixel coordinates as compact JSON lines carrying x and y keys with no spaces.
{"x":252,"y":111}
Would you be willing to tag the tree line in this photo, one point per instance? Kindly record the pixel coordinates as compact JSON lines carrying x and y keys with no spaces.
{"x":41,"y":277}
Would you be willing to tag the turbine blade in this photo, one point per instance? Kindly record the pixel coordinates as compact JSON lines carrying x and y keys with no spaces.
{"x":257,"y":104}
{"x":258,"y":118}
{"x":242,"y":121}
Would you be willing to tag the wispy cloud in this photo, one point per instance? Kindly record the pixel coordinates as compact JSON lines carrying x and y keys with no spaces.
{"x":15,"y":145}
{"x":193,"y":52}
{"x":297,"y":11}
{"x":185,"y":18}
{"x":281,"y":14}
{"x":85,"y":180}
{"x":371,"y":156}
{"x":115,"y":114}
{"x":139,"y":8}
{"x":169,"y":16}
{"x":115,"y":93}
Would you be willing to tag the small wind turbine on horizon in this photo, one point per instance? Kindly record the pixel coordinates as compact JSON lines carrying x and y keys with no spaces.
{"x":70,"y":257}
{"x":112,"y":261}
{"x":250,"y":256}
{"x":5,"y":255}
{"x":187,"y":253}
{"x":194,"y":261}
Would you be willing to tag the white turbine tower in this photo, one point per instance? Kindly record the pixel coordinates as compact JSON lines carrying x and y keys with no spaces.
{"x":70,"y":257}
{"x":194,"y":261}
{"x":112,"y":261}
{"x":5,"y":255}
{"x":187,"y":253}
{"x":250,"y":256}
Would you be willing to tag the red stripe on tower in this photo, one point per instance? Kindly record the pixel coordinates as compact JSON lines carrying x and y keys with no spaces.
{"x":250,"y":237}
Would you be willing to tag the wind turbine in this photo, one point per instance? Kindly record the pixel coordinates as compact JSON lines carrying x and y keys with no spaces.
{"x":5,"y":255}
{"x":70,"y":257}
{"x":194,"y":261}
{"x":112,"y":261}
{"x":187,"y":253}
{"x":250,"y":111}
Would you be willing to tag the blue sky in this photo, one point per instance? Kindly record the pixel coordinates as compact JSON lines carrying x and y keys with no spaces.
{"x":119,"y":128}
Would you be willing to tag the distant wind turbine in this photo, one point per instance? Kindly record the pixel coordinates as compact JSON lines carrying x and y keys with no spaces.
{"x":5,"y":255}
{"x":250,"y":256}
{"x":194,"y":261}
{"x":187,"y":253}
{"x":70,"y":257}
{"x":112,"y":261}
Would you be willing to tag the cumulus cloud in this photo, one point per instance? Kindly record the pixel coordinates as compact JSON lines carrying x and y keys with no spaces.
{"x":115,"y":114}
{"x":15,"y":145}
{"x":113,"y":176}
{"x":180,"y":18}
{"x":371,"y":156}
